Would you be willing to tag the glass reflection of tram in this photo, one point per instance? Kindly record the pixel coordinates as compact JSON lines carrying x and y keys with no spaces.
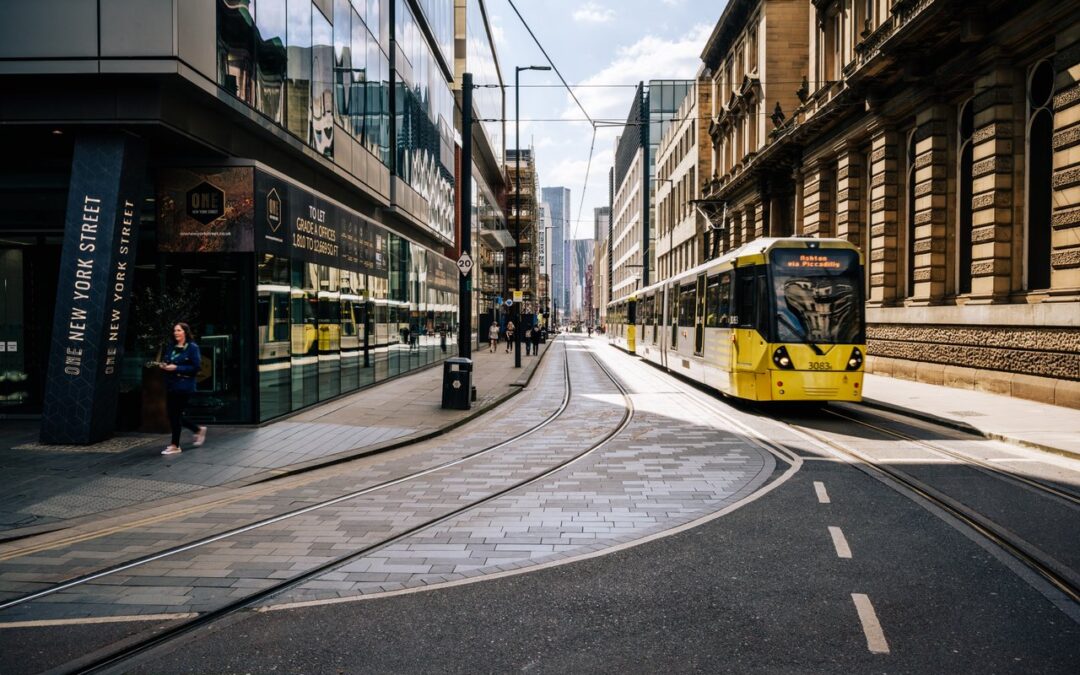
{"x":774,"y":320}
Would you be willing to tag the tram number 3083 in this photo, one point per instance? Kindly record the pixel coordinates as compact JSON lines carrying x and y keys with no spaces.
{"x":819,"y":365}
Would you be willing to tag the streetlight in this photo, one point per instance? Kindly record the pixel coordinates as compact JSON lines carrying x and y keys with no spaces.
{"x":517,"y":211}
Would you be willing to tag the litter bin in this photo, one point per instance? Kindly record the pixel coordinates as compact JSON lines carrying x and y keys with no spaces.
{"x":457,"y":383}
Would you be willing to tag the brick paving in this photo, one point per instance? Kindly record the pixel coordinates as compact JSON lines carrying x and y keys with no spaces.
{"x":668,"y":468}
{"x":46,"y":486}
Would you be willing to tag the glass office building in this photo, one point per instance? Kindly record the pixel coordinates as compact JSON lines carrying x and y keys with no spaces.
{"x":295,"y":200}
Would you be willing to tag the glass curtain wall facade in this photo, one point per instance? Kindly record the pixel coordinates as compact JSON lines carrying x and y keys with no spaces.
{"x":304,"y":70}
{"x":326,"y":330}
{"x":424,"y":110}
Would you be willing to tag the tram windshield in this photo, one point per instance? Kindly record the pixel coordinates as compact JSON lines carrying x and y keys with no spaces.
{"x":818,"y":295}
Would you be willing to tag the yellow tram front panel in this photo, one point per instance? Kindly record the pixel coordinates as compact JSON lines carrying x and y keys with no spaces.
{"x":817,"y":377}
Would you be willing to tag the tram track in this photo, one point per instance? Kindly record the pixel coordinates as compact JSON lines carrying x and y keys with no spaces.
{"x":108,"y":660}
{"x":1066,"y":496}
{"x":1059,"y":575}
{"x":1046,"y":566}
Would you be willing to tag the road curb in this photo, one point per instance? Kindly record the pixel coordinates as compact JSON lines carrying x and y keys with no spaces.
{"x":967,"y":428}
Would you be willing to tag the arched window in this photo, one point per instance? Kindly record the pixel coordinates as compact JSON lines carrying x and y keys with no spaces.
{"x":1040,"y":154}
{"x":964,"y":191}
{"x":910,"y":215}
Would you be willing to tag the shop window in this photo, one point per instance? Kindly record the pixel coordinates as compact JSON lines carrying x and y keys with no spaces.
{"x":964,"y":191}
{"x":272,"y":315}
{"x":1040,"y":132}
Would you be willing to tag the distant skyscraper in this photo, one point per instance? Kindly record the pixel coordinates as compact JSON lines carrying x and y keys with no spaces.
{"x":559,"y":261}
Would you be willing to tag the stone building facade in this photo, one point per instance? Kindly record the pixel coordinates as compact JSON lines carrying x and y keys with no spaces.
{"x":943,"y":139}
{"x":682,"y":159}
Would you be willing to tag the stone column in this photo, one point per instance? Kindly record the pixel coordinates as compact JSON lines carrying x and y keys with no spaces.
{"x":994,"y":184}
{"x":799,"y":177}
{"x":883,"y":216}
{"x":849,"y":195}
{"x":817,"y":200}
{"x":931,"y":203}
{"x":1065,"y":219}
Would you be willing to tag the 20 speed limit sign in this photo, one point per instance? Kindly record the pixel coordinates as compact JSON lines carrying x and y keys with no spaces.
{"x":465,"y":263}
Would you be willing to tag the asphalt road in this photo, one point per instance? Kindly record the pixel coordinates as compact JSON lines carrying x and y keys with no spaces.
{"x":761,"y":590}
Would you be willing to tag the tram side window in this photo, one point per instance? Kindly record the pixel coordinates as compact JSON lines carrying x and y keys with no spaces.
{"x":752,"y":299}
{"x":687,"y":302}
{"x":718,"y":301}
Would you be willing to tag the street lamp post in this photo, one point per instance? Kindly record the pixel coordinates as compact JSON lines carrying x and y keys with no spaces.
{"x":517,"y":206}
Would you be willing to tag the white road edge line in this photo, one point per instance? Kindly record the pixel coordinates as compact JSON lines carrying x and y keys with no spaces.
{"x":839,"y":542}
{"x":822,"y":494}
{"x":39,"y":623}
{"x":875,"y":637}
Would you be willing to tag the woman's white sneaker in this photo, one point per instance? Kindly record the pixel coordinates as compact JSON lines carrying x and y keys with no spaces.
{"x":172,"y":450}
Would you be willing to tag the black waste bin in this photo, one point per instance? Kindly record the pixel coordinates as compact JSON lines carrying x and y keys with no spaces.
{"x":457,"y":383}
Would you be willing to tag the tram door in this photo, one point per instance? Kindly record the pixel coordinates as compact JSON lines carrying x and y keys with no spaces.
{"x":673,"y":314}
{"x":699,"y":320}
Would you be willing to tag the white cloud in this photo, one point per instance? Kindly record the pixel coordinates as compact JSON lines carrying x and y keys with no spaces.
{"x":591,"y":12}
{"x":650,"y":57}
{"x":499,"y":33}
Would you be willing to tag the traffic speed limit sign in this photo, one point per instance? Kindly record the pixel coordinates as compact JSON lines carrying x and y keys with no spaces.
{"x":465,"y":263}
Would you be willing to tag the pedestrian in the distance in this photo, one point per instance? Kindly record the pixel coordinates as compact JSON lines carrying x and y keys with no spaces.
{"x":528,"y":340}
{"x":536,"y":340}
{"x":493,"y":336}
{"x":181,"y":365}
{"x":509,"y":335}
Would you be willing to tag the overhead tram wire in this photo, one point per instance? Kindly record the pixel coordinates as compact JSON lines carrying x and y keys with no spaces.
{"x":550,"y":62}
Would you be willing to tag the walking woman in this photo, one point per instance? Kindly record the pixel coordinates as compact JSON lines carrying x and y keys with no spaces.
{"x":181,"y":365}
{"x":493,"y":336}
{"x":509,"y":336}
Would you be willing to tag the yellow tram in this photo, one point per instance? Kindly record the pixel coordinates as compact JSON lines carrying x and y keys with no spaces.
{"x":773,"y":320}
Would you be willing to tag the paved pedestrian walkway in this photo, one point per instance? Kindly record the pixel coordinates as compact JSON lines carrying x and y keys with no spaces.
{"x":1014,"y":420}
{"x":46,"y":487}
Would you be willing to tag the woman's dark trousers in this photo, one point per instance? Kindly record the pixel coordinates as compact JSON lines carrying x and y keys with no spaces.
{"x":175,"y":402}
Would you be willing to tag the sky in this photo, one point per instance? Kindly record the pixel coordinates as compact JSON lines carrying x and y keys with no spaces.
{"x":591,"y":42}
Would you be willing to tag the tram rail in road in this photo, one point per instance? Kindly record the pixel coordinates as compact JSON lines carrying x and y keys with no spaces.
{"x":126,"y":653}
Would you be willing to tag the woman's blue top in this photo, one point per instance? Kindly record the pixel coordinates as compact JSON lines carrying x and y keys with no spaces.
{"x":187,"y":361}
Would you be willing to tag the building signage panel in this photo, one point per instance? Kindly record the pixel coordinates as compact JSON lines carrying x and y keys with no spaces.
{"x":93,"y":289}
{"x":206,"y":210}
{"x":296,"y":223}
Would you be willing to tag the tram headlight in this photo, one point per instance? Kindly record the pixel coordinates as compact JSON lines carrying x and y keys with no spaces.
{"x":856,"y":359}
{"x":781,"y":359}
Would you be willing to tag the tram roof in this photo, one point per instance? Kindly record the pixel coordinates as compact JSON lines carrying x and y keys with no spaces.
{"x":755,"y":247}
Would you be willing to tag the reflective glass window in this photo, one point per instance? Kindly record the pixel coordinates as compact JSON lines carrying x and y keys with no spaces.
{"x":329,"y":309}
{"x":271,"y":66}
{"x":236,"y":48}
{"x":272,"y":311}
{"x":304,"y":358}
{"x":342,"y":59}
{"x":298,"y":83}
{"x":322,"y":84}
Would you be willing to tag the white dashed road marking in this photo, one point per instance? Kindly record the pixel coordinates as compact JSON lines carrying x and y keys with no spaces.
{"x":875,"y":637}
{"x":838,"y":540}
{"x":822,"y":495}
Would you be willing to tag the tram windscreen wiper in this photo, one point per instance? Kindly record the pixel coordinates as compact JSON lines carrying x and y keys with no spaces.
{"x":801,"y":334}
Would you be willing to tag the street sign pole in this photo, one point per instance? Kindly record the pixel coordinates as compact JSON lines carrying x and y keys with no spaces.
{"x":465,"y":193}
